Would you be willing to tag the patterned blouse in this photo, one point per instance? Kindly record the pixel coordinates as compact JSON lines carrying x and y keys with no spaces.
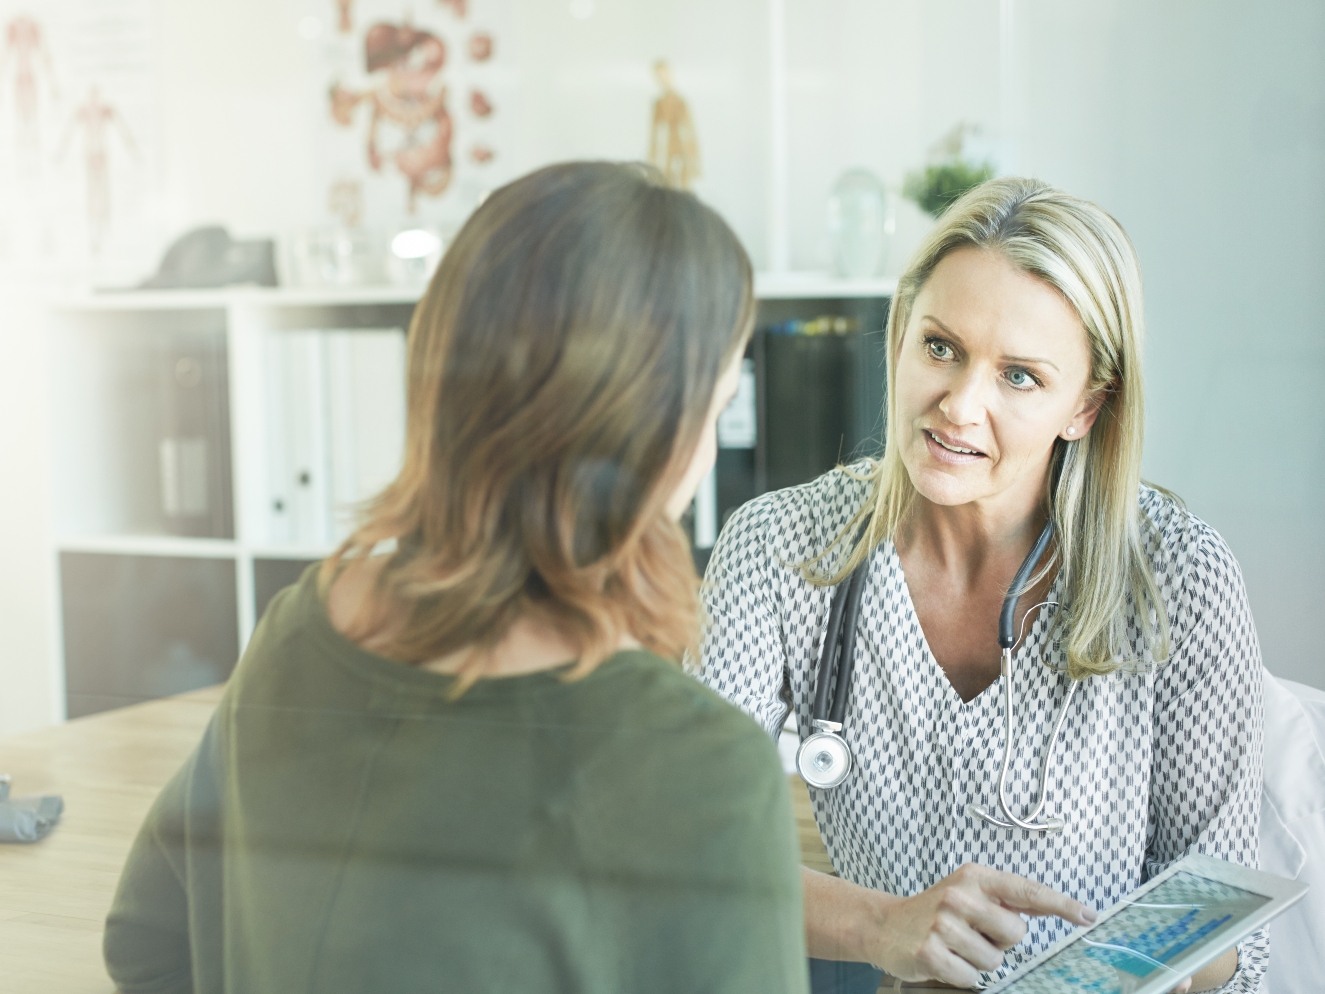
{"x":1154,"y":761}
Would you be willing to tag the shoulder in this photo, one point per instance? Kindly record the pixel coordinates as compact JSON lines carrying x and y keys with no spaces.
{"x":692,"y":738}
{"x":695,"y":764}
{"x":1201,"y":585}
{"x":669,"y":706}
{"x":1190,"y":559}
{"x":797,"y":523}
{"x":292,"y":640}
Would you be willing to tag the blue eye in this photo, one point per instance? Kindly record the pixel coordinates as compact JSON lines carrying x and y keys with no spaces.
{"x":1021,"y":379}
{"x":938,"y":348}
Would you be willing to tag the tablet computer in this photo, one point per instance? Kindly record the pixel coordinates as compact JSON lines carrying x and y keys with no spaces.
{"x":1159,"y":934}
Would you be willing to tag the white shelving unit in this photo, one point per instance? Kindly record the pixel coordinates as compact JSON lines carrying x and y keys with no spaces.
{"x":231,"y":427}
{"x":320,"y":372}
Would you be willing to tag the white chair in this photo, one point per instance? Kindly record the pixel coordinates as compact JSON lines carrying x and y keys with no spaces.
{"x":1293,"y":831}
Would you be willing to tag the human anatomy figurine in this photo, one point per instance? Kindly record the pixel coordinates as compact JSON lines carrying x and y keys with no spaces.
{"x":673,"y":147}
{"x":409,"y":100}
{"x":94,"y":117}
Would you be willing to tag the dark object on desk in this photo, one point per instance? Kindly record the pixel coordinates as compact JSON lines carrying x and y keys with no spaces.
{"x":27,"y":819}
{"x":209,"y":257}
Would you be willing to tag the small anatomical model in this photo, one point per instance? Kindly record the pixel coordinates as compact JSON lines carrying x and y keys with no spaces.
{"x":480,"y":47}
{"x":94,"y":117}
{"x":26,"y":51}
{"x":673,"y":147}
{"x":345,"y":202}
{"x":409,"y":101}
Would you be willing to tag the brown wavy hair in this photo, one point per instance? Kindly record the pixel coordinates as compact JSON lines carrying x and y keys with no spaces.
{"x":560,"y":368}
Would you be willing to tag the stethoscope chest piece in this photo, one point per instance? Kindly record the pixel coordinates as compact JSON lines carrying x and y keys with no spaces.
{"x":824,"y":759}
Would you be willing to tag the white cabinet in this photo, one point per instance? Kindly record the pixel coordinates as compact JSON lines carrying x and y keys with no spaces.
{"x":208,"y":445}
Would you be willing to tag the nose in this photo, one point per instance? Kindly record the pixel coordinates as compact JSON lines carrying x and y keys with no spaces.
{"x":965,"y":402}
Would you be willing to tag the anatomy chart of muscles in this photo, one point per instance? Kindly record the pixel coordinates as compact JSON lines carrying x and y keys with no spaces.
{"x":94,"y":120}
{"x":25,"y":69}
{"x":415,"y":100}
{"x":77,"y":132}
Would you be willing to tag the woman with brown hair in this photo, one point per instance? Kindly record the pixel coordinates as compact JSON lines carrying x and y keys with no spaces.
{"x":460,"y":755}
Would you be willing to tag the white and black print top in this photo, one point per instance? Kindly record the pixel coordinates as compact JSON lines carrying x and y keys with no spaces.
{"x":1154,"y":762}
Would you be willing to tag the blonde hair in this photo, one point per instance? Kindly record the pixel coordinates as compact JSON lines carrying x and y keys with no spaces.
{"x":1083,"y":253}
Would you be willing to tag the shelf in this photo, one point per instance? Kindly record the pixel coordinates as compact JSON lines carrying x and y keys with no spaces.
{"x":198,"y":548}
{"x":291,"y":551}
{"x":768,"y":286}
{"x":818,"y":286}
{"x":261,"y":297}
{"x":151,"y":545}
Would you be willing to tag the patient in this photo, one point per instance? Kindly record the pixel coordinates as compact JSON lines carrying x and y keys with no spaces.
{"x":460,"y":755}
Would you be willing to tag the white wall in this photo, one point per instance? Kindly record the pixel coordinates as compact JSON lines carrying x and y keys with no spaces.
{"x":31,"y":685}
{"x":1202,"y":128}
{"x":242,"y":100}
{"x":873,"y":83}
{"x":587,"y":89}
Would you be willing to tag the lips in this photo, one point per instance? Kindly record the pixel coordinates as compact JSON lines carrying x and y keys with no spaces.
{"x":944,"y":444}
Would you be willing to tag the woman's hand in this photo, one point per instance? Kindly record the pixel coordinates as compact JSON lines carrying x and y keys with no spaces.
{"x":963,"y":924}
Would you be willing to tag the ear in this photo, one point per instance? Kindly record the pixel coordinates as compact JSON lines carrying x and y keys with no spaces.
{"x":1085,"y":416}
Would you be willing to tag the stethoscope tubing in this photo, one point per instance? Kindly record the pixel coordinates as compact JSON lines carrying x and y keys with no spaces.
{"x":836,"y":666}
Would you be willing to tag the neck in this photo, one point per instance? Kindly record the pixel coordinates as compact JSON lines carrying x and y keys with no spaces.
{"x":530,"y":645}
{"x":971,"y":539}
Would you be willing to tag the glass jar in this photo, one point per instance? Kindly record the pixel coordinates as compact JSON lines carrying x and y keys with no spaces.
{"x":857,"y":224}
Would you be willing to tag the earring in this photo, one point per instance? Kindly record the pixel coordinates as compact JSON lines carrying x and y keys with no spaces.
{"x":1071,"y":430}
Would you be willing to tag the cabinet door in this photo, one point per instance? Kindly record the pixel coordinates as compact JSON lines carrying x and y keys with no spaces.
{"x":142,"y":627}
{"x":141,"y":424}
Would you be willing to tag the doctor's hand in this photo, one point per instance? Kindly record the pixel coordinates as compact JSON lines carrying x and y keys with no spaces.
{"x":964,"y":923}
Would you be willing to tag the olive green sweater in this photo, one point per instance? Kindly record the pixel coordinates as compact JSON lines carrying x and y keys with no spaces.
{"x":345,"y":827}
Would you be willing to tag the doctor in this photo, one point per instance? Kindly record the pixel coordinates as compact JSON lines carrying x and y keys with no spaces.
{"x":1014,"y":396}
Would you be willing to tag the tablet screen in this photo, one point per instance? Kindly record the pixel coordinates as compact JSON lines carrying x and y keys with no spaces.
{"x":1131,"y":947}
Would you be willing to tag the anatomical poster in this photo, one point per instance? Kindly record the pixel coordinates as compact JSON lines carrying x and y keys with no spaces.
{"x":414,"y":97}
{"x":77,"y":133}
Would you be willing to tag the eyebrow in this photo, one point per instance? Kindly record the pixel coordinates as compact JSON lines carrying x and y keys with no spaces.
{"x":1029,"y":360}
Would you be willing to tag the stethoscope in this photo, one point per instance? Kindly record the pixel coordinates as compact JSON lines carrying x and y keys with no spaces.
{"x":824,"y":758}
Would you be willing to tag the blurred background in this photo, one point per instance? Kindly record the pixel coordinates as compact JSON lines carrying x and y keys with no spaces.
{"x":173,"y":455}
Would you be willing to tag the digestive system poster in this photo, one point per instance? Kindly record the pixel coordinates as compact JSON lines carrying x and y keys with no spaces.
{"x":414,"y":98}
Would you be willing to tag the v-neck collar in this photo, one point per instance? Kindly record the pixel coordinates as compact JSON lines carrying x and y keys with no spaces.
{"x":990,"y":696}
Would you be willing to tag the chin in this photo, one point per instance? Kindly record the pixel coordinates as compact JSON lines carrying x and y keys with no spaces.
{"x":945,"y":487}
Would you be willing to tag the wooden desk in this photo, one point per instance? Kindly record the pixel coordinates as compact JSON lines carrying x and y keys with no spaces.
{"x":54,"y":894}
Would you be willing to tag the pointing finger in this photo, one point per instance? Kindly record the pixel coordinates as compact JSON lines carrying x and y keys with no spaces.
{"x":1031,"y":898}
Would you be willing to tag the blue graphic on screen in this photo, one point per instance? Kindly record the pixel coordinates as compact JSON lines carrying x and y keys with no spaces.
{"x":1141,"y":952}
{"x":1137,"y":944}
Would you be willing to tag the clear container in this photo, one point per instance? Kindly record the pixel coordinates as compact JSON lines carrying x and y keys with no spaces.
{"x":413,"y":253}
{"x":858,"y":224}
{"x":338,"y":257}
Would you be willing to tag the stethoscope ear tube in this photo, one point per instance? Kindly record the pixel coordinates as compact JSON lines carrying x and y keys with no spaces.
{"x":1007,"y":617}
{"x":1007,"y":642}
{"x":855,"y":590}
{"x":828,"y":655}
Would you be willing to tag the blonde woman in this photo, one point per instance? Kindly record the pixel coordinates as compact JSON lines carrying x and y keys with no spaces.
{"x":471,"y":763}
{"x":1014,"y":397}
